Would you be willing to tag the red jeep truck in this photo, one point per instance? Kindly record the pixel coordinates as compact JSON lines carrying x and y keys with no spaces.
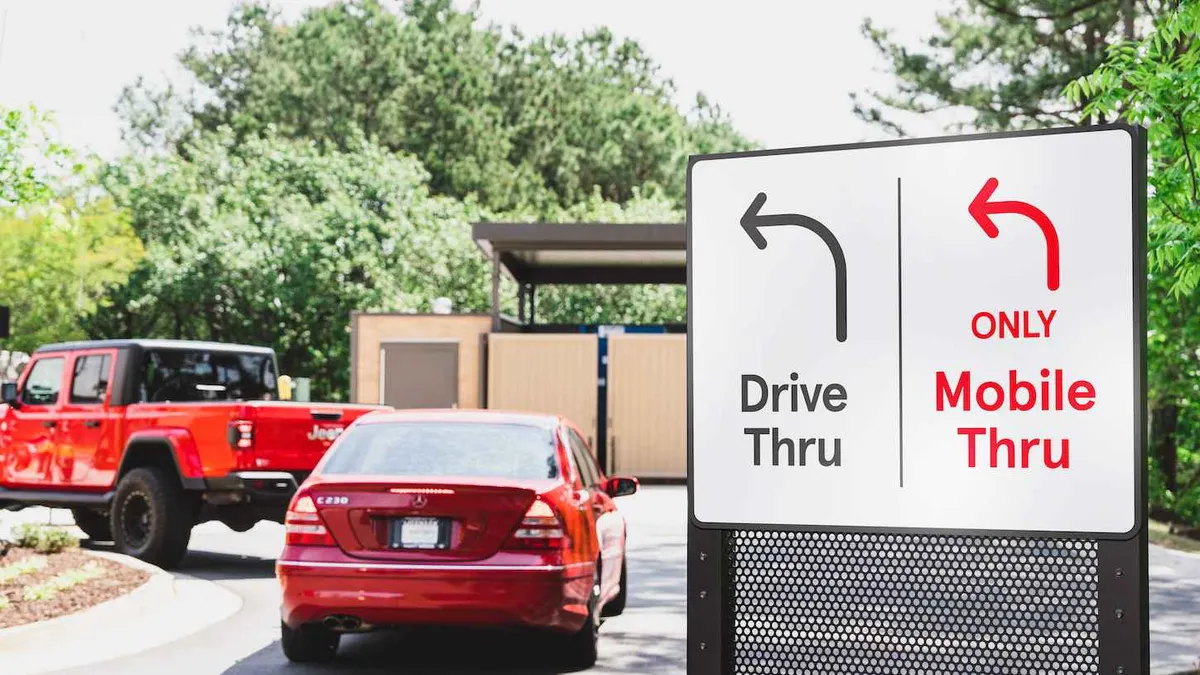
{"x":144,"y":439}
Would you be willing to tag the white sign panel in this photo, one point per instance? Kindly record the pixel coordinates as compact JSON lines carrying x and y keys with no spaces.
{"x":938,"y":335}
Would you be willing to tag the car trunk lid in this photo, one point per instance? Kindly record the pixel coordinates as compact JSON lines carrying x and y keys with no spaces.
{"x":423,"y":520}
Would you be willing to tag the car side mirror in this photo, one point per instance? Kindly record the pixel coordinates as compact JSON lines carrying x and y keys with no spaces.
{"x":620,"y":486}
{"x":8,"y":394}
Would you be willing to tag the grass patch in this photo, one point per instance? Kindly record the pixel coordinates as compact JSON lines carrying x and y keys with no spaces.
{"x":3,"y":603}
{"x":1160,"y":533}
{"x":26,"y":566}
{"x":51,"y":587}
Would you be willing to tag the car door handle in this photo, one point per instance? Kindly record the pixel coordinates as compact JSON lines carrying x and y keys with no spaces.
{"x":49,"y":424}
{"x":92,"y":424}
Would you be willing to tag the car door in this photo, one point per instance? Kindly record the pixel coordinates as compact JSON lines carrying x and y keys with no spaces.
{"x":30,"y":458}
{"x":86,"y":427}
{"x":605,"y":524}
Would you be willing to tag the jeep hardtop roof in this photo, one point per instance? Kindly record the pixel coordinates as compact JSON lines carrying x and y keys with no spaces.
{"x":152,"y":344}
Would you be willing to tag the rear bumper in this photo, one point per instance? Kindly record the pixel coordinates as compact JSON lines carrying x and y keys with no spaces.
{"x":260,"y":486}
{"x":478,"y":594}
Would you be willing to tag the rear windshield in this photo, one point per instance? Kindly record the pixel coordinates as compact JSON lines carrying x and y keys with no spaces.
{"x":475,"y":450}
{"x":187,"y":375}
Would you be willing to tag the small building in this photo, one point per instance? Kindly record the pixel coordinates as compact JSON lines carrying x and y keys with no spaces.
{"x":625,"y":386}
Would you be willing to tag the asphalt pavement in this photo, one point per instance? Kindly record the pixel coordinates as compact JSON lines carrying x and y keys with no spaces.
{"x":648,"y":639}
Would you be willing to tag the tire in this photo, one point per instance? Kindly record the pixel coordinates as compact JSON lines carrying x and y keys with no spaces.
{"x":97,"y":526}
{"x":309,"y":643}
{"x":616,"y":606}
{"x":152,"y":517}
{"x":581,"y":649}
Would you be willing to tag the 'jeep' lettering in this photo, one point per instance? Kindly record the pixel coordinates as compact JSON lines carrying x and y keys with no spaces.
{"x":325,"y":433}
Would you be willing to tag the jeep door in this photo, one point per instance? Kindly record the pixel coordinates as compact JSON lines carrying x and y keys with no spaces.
{"x":34,"y":433}
{"x":87,"y":432}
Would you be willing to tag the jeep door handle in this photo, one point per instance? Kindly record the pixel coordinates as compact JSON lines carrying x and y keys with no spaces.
{"x":92,"y":424}
{"x":49,"y":424}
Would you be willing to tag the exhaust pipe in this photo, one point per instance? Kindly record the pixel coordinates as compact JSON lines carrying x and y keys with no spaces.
{"x":342,"y":623}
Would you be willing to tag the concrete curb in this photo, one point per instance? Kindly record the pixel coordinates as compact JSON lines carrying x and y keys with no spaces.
{"x":164,"y":609}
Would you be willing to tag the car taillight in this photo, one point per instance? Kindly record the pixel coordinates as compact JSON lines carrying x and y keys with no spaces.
{"x":303,"y":525}
{"x":241,"y":435}
{"x":540,"y":529}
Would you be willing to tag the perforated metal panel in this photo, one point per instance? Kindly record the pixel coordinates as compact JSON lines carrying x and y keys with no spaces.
{"x":857,"y":604}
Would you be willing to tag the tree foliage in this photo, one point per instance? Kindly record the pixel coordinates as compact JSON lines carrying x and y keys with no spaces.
{"x":267,"y":240}
{"x":28,"y":157}
{"x":335,"y":163}
{"x":62,"y":248}
{"x":509,"y":120}
{"x":1004,"y":63}
{"x":1155,"y":82}
{"x":62,"y":258}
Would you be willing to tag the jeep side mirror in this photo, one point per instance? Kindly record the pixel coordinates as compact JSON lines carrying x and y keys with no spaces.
{"x":8,"y":394}
{"x":620,"y":487}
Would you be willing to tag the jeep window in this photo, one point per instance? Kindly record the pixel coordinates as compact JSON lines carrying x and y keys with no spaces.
{"x":44,"y":382}
{"x":90,"y":381}
{"x":187,"y":375}
{"x":467,"y":449}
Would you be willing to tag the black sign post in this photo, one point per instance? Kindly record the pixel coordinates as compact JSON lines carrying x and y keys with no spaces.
{"x":4,"y":319}
{"x":801,"y":591}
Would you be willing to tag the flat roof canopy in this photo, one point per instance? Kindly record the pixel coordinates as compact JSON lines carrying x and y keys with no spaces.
{"x":587,"y":253}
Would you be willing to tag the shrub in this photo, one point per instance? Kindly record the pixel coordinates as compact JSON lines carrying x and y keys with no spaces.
{"x":26,"y":535}
{"x":55,"y":539}
{"x":43,"y":539}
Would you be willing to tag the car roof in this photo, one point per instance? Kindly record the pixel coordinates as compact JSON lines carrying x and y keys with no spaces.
{"x":464,"y":415}
{"x":195,"y":345}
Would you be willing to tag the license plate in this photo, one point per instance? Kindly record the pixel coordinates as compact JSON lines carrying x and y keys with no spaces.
{"x":416,"y":533}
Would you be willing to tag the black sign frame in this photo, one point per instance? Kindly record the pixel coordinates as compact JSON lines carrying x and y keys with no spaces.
{"x":1123,"y":581}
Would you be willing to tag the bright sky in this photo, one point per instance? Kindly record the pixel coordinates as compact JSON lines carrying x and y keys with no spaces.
{"x":783,"y":70}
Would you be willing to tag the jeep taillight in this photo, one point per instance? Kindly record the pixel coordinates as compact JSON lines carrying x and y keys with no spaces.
{"x":540,"y":529}
{"x":241,"y":435}
{"x":303,"y":525}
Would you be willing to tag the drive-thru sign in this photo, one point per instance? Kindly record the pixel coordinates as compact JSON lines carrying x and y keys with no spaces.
{"x":916,"y":405}
{"x":934,"y":335}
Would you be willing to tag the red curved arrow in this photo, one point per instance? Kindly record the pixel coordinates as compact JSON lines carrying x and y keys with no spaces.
{"x":981,"y":210}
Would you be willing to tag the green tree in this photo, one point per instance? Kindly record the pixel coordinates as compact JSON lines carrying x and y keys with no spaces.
{"x":1155,"y":82}
{"x":1004,"y":63}
{"x":514,"y":122}
{"x":273,"y":241}
{"x":61,"y":260}
{"x":29,"y":158}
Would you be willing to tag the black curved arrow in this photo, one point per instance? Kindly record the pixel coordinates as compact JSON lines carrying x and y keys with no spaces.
{"x":752,"y":221}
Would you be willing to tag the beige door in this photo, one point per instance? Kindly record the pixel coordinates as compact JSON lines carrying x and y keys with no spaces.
{"x":419,"y":373}
{"x":647,"y":405}
{"x":555,"y":374}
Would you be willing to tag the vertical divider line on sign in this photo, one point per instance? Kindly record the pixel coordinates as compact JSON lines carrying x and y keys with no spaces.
{"x":900,"y":329}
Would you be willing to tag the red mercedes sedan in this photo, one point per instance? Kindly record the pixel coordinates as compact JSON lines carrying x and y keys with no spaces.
{"x":469,"y":518}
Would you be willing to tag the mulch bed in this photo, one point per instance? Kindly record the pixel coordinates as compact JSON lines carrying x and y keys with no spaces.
{"x":115,"y":581}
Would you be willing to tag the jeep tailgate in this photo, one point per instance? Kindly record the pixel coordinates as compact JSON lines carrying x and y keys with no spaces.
{"x":291,"y":436}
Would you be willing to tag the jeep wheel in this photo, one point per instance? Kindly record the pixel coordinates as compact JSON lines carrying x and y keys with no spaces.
{"x":94,"y":524}
{"x":152,"y":517}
